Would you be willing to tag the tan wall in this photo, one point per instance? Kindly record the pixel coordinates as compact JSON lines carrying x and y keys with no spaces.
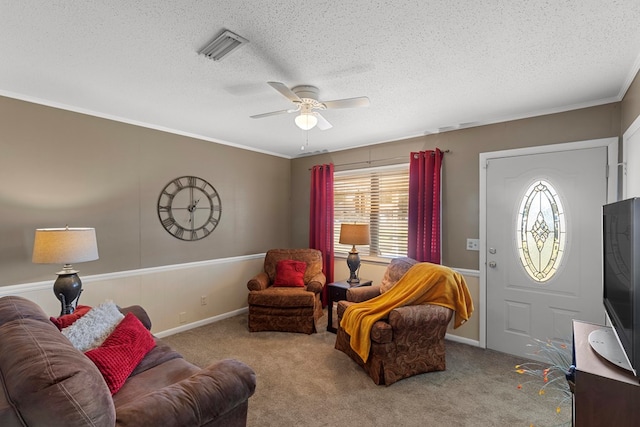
{"x":58,"y":167}
{"x":631,"y":104}
{"x":460,"y":204}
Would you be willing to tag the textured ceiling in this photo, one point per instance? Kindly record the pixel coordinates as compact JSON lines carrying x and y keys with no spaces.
{"x":425,"y":65}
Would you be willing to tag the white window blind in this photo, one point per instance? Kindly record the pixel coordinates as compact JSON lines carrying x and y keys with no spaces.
{"x":378,"y":197}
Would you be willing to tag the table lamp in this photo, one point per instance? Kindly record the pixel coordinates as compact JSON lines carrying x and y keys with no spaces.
{"x":354,"y":234}
{"x":65,"y":246}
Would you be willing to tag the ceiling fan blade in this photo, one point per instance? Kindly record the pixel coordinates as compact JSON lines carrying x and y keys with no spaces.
{"x":285,"y":91}
{"x":273,"y":113}
{"x":361,"y":101}
{"x":323,"y":124}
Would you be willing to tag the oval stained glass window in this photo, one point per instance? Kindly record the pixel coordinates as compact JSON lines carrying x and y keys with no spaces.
{"x":541,"y":231}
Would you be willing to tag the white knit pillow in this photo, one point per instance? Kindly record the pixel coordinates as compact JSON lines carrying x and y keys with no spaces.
{"x":93,"y":328}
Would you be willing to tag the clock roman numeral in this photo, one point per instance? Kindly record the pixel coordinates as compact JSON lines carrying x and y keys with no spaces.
{"x":163,"y":208}
{"x":168,"y":222}
{"x":191,"y":181}
{"x":179,"y":232}
{"x":178,"y":183}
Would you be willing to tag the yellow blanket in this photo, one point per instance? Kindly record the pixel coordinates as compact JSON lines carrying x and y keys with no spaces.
{"x":423,"y":283}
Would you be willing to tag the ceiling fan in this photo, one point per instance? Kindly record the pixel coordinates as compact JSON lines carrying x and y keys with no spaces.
{"x":306,"y":101}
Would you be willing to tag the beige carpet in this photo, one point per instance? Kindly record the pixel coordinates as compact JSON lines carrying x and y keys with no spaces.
{"x":303,"y":381}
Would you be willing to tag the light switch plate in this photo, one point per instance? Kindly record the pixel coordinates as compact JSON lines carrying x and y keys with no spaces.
{"x":473,"y":244}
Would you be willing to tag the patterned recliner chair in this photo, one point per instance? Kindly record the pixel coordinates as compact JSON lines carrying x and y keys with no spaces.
{"x":287,"y":309}
{"x":408,"y":342}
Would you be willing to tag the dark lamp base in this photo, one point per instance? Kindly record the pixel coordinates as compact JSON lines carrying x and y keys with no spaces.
{"x":67,"y":288}
{"x":353,"y":261}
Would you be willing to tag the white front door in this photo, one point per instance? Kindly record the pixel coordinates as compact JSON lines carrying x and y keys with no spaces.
{"x":543,"y":245}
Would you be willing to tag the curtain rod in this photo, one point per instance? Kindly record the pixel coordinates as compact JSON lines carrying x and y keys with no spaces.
{"x":379,"y":160}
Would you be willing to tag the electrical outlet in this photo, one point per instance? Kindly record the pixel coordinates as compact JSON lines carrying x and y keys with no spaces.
{"x":183,"y":317}
{"x":473,"y":244}
{"x":203,"y":300}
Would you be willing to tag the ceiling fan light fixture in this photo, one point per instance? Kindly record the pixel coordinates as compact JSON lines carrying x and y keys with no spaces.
{"x":306,"y":121}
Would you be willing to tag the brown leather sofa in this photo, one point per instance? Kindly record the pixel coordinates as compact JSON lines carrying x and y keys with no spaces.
{"x":286,"y":309}
{"x":47,"y":382}
{"x":408,"y":342}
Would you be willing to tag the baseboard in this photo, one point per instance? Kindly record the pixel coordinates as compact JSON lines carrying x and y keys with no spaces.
{"x":462,"y":340}
{"x":214,"y":319}
{"x":199,"y":323}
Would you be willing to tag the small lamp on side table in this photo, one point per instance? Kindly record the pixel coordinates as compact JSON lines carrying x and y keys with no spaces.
{"x":65,"y":246}
{"x":354,"y":234}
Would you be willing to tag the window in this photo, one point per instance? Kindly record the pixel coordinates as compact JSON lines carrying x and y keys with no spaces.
{"x":379,"y":197}
{"x":540,"y":231}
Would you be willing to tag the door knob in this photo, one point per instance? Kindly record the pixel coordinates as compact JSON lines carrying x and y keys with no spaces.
{"x":492,"y":264}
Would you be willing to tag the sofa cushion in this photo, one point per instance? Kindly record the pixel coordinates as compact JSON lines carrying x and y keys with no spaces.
{"x":290,"y":273}
{"x":122,"y":351}
{"x":158,"y":355}
{"x":43,"y":375}
{"x":396,"y":269}
{"x":178,"y":393}
{"x":282,"y":297}
{"x":67,"y":320}
{"x":94,"y":327}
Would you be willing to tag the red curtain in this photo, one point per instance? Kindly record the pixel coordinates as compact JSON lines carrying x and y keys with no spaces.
{"x":321,"y":219}
{"x":424,"y":206}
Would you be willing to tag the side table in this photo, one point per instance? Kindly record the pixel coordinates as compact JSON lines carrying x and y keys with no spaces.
{"x":337,"y":291}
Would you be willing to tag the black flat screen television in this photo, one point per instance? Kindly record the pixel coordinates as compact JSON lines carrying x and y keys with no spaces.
{"x":621,"y":274}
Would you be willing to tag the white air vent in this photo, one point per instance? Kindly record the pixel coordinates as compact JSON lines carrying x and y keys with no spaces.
{"x":223,"y":45}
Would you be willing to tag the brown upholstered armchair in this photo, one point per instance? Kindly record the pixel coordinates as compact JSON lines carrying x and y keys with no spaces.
{"x":408,"y":342}
{"x":283,"y":308}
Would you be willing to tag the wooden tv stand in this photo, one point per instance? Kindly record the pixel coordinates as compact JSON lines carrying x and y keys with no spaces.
{"x":605,"y":395}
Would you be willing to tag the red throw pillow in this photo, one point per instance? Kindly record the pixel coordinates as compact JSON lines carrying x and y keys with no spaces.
{"x":290,"y":273}
{"x":68,"y":319}
{"x":122,"y":351}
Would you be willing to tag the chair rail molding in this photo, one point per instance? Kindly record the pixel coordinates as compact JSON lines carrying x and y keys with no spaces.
{"x":177,"y":297}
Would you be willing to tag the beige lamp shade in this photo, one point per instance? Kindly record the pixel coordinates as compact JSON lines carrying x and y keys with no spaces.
{"x":354,"y":234}
{"x":64,"y":245}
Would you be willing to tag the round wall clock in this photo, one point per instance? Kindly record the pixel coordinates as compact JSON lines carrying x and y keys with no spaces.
{"x":189,"y":208}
